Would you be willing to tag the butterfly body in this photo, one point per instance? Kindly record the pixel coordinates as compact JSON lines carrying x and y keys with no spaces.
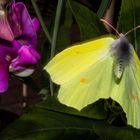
{"x":122,"y":53}
{"x":102,"y":68}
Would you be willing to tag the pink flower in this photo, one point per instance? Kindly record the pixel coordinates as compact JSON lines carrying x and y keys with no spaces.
{"x":18,"y":42}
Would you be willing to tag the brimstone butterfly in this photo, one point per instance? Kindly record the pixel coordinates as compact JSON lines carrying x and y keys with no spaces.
{"x":102,"y":68}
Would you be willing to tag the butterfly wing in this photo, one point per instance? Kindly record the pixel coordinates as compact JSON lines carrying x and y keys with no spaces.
{"x":82,"y":71}
{"x":75,"y":60}
{"x":127,"y":92}
{"x":85,"y":73}
{"x":89,"y":86}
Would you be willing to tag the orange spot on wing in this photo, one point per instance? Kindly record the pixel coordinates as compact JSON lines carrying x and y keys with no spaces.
{"x":133,"y":97}
{"x":84,"y":80}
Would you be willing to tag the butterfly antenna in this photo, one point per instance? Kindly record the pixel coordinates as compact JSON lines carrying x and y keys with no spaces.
{"x":132,"y":30}
{"x":107,"y":23}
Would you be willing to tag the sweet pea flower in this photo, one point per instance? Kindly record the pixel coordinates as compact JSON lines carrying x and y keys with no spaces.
{"x":17,"y":49}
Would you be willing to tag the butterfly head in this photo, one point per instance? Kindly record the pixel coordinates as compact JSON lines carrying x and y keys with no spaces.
{"x":121,"y":48}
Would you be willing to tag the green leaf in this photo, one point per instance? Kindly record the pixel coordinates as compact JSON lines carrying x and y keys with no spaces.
{"x":46,"y":121}
{"x":108,"y":132}
{"x":129,"y":18}
{"x":41,"y":123}
{"x":95,"y":110}
{"x":88,"y":22}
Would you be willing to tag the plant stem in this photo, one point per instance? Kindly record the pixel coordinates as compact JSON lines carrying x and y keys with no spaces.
{"x":103,"y":6}
{"x":55,"y":32}
{"x":41,"y":21}
{"x":24,"y":94}
{"x":56,"y":27}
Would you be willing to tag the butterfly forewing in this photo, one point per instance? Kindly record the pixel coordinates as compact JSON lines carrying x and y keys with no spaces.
{"x":73,"y":61}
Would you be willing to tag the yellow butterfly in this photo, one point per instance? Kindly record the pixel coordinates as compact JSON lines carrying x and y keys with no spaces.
{"x":103,"y":68}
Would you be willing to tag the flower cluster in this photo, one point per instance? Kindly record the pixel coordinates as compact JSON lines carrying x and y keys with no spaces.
{"x":18,"y":41}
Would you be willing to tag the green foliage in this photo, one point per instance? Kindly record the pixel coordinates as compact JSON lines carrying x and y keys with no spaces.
{"x":50,"y":120}
{"x":88,"y":22}
{"x":129,"y":19}
{"x":95,"y":111}
{"x":43,"y":122}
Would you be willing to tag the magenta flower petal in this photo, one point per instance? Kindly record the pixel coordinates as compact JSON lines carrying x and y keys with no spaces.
{"x":17,"y":43}
{"x":6,"y":55}
{"x":36,"y":24}
{"x":22,"y":22}
{"x":5,"y":29}
{"x":4,"y":76}
{"x":14,"y":21}
{"x":26,"y":56}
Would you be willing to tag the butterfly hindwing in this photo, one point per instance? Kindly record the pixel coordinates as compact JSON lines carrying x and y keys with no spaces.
{"x":128,"y":94}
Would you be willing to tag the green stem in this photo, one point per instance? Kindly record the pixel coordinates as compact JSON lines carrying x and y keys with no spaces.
{"x":56,"y":27}
{"x":41,"y":21}
{"x":54,"y":36}
{"x":103,"y":6}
